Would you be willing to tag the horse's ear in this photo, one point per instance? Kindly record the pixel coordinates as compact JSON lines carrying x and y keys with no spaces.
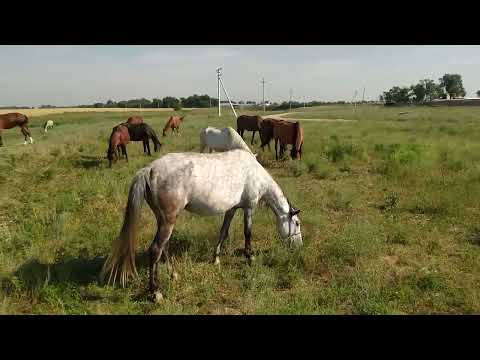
{"x":255,"y":155}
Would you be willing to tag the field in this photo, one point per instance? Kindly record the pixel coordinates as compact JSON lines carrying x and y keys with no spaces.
{"x":390,"y":219}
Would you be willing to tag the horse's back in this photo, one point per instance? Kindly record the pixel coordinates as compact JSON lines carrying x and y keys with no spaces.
{"x":208,"y":183}
{"x":10,"y":120}
{"x":248,"y":122}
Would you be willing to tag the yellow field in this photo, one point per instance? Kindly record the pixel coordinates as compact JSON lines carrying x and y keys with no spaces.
{"x":43,"y":112}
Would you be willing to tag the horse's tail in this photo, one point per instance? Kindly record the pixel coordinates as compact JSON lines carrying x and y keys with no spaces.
{"x":298,"y":135}
{"x":121,"y":260}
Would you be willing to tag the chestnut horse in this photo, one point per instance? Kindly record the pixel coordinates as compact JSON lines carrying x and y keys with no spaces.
{"x":174,"y":124}
{"x":10,"y":120}
{"x":118,"y":141}
{"x":249,"y":123}
{"x":135,"y":120}
{"x":288,"y":133}
{"x":266,"y":131}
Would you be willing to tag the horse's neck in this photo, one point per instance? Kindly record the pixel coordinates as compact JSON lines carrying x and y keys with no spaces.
{"x":275,"y":198}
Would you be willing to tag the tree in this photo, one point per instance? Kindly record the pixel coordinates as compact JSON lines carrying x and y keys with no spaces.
{"x":397,"y":94}
{"x":419,"y":92}
{"x":478,"y":93}
{"x":170,"y":102}
{"x":110,"y":104}
{"x":452,"y":83}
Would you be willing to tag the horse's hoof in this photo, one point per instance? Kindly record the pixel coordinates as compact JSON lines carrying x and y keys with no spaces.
{"x":217,"y":261}
{"x":157,"y":297}
{"x":175,"y":276}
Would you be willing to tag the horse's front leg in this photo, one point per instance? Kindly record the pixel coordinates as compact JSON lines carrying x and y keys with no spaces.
{"x":247,"y":231}
{"x":223,"y":233}
{"x":148,"y":148}
{"x":1,"y":141}
{"x":253,"y":136}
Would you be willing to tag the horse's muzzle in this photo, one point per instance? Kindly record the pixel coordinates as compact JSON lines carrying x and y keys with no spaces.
{"x":296,"y":240}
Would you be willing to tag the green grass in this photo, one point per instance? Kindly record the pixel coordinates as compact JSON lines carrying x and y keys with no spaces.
{"x":390,"y":218}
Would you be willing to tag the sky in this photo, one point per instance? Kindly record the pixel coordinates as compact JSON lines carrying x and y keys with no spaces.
{"x":73,"y":75}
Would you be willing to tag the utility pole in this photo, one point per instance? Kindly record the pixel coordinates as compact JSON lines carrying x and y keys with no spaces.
{"x":263,"y":83}
{"x":226,"y":94}
{"x":363,"y":96}
{"x":218,"y":88}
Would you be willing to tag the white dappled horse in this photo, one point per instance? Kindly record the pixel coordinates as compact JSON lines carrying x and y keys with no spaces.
{"x":221,"y":139}
{"x":204,"y":184}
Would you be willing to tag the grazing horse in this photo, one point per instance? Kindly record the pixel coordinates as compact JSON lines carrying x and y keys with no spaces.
{"x":143,"y":132}
{"x":266,"y":131}
{"x":118,"y":141}
{"x":174,"y":124}
{"x":288,"y":133}
{"x":48,"y":124}
{"x":222,"y":139}
{"x":204,"y":184}
{"x":135,"y":120}
{"x":10,"y":120}
{"x":249,"y":123}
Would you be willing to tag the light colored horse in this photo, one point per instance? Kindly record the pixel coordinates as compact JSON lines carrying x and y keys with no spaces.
{"x":222,"y":139}
{"x":48,"y":125}
{"x":204,"y":184}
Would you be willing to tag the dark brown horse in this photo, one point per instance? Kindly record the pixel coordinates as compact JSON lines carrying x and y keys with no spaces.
{"x":135,"y":120}
{"x":10,"y":120}
{"x":288,"y":133}
{"x":118,"y":142}
{"x":173,"y":123}
{"x":266,"y":131}
{"x":143,"y":132}
{"x":249,"y":123}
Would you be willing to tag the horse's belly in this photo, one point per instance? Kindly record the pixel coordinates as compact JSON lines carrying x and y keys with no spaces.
{"x":213,"y":203}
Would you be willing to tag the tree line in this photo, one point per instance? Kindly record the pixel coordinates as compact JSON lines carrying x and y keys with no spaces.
{"x":194,"y":101}
{"x":427,"y":90}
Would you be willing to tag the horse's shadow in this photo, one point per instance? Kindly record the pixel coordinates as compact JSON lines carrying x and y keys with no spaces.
{"x":79,"y":271}
{"x":87,"y":162}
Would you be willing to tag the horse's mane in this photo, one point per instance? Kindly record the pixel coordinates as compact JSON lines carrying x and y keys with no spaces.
{"x":237,"y":140}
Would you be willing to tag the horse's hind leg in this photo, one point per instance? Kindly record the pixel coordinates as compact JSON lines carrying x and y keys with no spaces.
{"x":223,"y":233}
{"x":276,"y":147}
{"x":1,"y":141}
{"x":164,"y":232}
{"x":253,"y":136}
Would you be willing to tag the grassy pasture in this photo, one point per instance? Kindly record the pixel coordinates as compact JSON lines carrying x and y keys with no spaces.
{"x":390,"y":218}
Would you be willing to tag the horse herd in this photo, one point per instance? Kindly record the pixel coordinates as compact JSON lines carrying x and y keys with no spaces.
{"x":281,"y":131}
{"x":202,"y":183}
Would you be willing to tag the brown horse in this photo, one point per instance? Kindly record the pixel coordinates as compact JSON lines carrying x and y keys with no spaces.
{"x":174,"y":124}
{"x":118,"y":141}
{"x":288,"y":133}
{"x":249,"y":123}
{"x":142,"y":132}
{"x":266,"y":131}
{"x":10,"y":120}
{"x":135,"y":120}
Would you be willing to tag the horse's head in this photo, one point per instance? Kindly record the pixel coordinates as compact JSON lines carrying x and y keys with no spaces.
{"x":289,"y":227}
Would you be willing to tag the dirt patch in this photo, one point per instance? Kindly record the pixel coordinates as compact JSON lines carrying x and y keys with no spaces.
{"x":281,"y":117}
